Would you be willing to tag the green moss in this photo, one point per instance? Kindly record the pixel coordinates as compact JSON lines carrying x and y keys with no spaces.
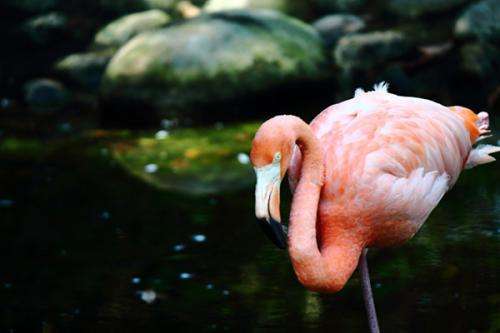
{"x":195,"y":161}
{"x":214,"y":57}
{"x":22,"y":148}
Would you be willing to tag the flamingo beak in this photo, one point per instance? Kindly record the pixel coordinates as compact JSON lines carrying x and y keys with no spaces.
{"x":267,"y":203}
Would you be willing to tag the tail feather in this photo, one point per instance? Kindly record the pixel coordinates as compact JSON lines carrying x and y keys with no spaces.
{"x":481,"y":155}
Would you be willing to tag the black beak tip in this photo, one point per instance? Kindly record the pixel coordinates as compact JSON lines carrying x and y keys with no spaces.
{"x":275,"y":231}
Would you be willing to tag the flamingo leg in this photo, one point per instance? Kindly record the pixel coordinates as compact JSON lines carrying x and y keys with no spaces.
{"x":367,"y":293}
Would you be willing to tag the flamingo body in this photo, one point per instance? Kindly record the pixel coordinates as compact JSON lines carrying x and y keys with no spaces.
{"x":388,"y":161}
{"x":366,"y":172}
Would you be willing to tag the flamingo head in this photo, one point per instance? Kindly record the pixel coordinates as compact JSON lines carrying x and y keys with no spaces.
{"x":270,"y":155}
{"x":476,"y":124}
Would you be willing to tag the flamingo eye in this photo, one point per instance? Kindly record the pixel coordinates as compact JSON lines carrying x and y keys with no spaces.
{"x":277,"y":157}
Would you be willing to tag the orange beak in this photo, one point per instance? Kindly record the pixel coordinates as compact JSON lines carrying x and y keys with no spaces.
{"x":267,"y":203}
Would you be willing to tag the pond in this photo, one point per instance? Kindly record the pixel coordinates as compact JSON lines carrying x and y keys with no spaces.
{"x":90,"y":245}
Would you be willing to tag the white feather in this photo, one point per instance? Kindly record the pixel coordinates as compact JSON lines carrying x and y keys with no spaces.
{"x":481,"y":155}
{"x":359,"y":92}
{"x":381,"y":87}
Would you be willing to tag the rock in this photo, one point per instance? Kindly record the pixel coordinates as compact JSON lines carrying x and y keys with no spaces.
{"x":33,"y":6}
{"x":481,"y":21}
{"x":298,"y":8}
{"x":416,"y":8}
{"x":44,"y":95}
{"x":45,"y":28}
{"x":332,"y":27}
{"x":120,"y":31}
{"x":214,"y":57}
{"x":85,"y":69}
{"x":482,"y":60}
{"x":194,"y":161}
{"x":364,"y":51}
{"x":329,"y":6}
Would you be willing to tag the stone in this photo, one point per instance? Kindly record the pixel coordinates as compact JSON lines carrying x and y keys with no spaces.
{"x":362,"y":51}
{"x":121,"y":30}
{"x":85,"y":69}
{"x":45,"y":95}
{"x":481,"y":21}
{"x":45,"y":28}
{"x":332,"y":27}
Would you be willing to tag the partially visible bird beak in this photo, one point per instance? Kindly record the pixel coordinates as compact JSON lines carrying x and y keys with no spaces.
{"x":267,"y":203}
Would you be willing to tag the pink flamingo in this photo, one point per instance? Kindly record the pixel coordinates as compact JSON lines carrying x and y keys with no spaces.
{"x":366,"y":172}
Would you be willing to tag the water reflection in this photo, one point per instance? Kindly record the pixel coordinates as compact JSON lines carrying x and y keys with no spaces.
{"x":166,"y":261}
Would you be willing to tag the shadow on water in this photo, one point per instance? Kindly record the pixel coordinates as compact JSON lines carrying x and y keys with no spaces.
{"x":87,"y":247}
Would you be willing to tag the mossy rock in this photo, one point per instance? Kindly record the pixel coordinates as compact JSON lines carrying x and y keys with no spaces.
{"x":213,"y":58}
{"x":194,"y":161}
{"x":481,"y":21}
{"x":333,"y":27}
{"x":85,"y":69}
{"x":121,"y":30}
{"x":45,"y":28}
{"x":363,"y":51}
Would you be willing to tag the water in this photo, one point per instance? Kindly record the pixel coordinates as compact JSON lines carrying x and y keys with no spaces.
{"x":87,"y":247}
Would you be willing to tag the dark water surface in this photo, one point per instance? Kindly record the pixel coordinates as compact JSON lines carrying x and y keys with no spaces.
{"x":83,"y":243}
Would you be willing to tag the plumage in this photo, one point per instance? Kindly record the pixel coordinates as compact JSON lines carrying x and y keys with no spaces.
{"x":388,"y":156}
{"x":366,"y":172}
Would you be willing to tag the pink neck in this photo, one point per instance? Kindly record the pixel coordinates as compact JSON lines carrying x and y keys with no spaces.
{"x":326,"y":270}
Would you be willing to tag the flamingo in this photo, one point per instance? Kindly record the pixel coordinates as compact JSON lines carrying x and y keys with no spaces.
{"x":366,"y":172}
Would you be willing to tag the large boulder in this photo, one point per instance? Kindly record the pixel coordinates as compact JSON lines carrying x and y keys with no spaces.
{"x":332,"y":27}
{"x":363,"y":51}
{"x":214,"y":57}
{"x":481,"y":21}
{"x":120,"y":31}
{"x":298,"y":8}
{"x":85,"y":69}
{"x":415,"y":8}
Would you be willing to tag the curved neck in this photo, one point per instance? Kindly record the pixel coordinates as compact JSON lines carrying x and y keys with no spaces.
{"x":306,"y":196}
{"x":329,"y":269}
